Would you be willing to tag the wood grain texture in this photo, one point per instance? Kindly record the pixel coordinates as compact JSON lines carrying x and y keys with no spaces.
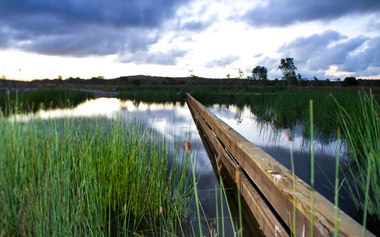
{"x":273,"y":181}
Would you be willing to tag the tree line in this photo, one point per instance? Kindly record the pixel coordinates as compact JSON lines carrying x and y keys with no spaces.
{"x":288,"y":69}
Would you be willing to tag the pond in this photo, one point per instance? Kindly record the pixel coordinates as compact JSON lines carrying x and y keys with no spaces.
{"x":174,"y":121}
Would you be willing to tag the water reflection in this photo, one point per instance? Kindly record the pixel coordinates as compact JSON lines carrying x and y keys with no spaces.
{"x":174,"y":121}
{"x":283,"y":143}
{"x":264,"y":135}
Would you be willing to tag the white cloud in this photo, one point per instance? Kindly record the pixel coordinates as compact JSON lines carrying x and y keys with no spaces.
{"x":212,"y":38}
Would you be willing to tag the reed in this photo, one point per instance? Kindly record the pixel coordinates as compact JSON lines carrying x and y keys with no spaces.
{"x":363,"y":190}
{"x":360,"y":133}
{"x":311,"y":167}
{"x":96,"y":176}
{"x":90,"y":176}
{"x":337,"y":187}
{"x":286,"y":108}
{"x":32,"y":101}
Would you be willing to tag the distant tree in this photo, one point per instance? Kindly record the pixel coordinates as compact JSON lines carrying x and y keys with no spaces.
{"x":260,"y":73}
{"x":240,"y":73}
{"x":3,"y":77}
{"x":337,"y":80}
{"x":299,"y":77}
{"x":59,"y":77}
{"x":228,"y":76}
{"x":191,"y":73}
{"x":350,"y":81}
{"x":288,"y":69}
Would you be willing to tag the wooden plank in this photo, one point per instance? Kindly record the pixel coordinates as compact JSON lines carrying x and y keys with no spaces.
{"x":250,"y":224}
{"x":275,"y":182}
{"x":268,"y":222}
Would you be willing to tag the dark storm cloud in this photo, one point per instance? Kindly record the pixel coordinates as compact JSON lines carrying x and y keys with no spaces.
{"x":82,"y":28}
{"x":287,"y":12}
{"x":335,"y":55}
{"x":77,"y":45}
{"x":315,"y":54}
{"x":196,"y":25}
{"x":90,"y":43}
{"x":149,"y":13}
{"x":302,"y":47}
{"x":161,"y":58}
{"x":319,"y":51}
{"x":364,"y":60}
{"x":4,"y":40}
{"x":222,"y":62}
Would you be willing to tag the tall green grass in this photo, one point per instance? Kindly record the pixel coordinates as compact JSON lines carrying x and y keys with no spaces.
{"x":95,"y":176}
{"x":32,"y":101}
{"x":287,"y":108}
{"x":360,"y":129}
{"x":361,"y":133}
{"x":90,"y":176}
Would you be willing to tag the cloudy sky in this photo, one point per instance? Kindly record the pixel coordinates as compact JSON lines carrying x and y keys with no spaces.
{"x":111,"y":38}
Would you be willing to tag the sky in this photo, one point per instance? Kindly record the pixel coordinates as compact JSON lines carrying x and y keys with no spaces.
{"x":88,"y":38}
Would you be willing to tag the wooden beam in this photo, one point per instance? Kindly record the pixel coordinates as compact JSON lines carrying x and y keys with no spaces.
{"x":250,"y":224}
{"x":268,"y":222}
{"x":274,"y":182}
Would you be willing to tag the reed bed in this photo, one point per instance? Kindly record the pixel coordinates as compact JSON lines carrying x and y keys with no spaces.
{"x":98,"y":176}
{"x":361,"y":133}
{"x":90,"y":176}
{"x":286,"y":107}
{"x":356,"y":114}
{"x":32,"y":101}
{"x":358,"y":121}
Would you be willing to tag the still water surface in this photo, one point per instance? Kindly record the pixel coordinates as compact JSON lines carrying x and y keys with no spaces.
{"x":174,"y":121}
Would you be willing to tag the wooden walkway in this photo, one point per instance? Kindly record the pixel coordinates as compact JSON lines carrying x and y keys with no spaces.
{"x":274,"y":196}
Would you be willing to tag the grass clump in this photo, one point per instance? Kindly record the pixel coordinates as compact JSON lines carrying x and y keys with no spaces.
{"x":32,"y":101}
{"x":90,"y":176}
{"x":361,"y":133}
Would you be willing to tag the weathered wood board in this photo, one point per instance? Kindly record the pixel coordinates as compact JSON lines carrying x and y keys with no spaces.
{"x":271,"y":197}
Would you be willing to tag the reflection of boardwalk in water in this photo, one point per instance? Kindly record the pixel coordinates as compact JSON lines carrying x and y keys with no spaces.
{"x":280,"y":202}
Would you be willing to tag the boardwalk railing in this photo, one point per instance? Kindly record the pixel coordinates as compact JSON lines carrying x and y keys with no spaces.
{"x":274,"y":196}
